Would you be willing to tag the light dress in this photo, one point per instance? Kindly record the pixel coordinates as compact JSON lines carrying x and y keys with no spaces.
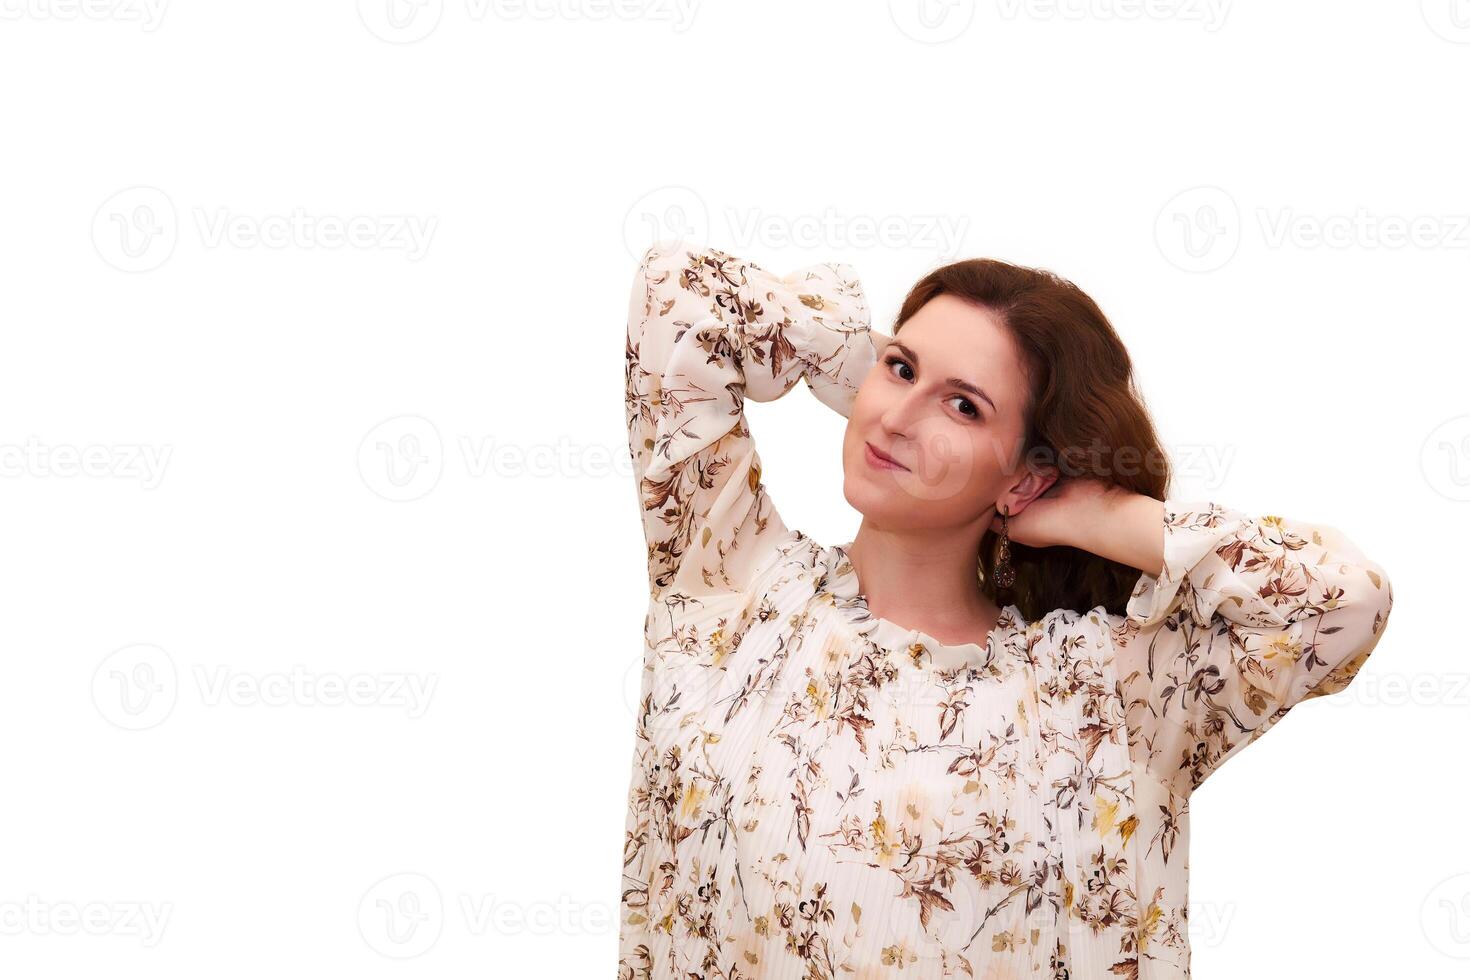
{"x":819,"y":793}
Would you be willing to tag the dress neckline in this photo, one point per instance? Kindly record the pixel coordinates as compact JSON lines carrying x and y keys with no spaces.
{"x":986,"y":658}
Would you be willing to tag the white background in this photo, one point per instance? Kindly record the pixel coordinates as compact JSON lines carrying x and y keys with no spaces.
{"x":249,"y":465}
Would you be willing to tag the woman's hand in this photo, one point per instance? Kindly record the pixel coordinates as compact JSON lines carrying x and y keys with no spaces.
{"x":880,"y":340}
{"x":1070,"y":512}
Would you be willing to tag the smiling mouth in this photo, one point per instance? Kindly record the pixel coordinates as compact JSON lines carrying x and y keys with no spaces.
{"x":882,"y":460}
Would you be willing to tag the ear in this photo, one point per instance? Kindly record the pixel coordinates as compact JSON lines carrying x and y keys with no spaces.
{"x":1035,"y":482}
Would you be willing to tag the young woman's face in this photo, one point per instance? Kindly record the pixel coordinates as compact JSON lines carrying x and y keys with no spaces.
{"x":945,"y":400}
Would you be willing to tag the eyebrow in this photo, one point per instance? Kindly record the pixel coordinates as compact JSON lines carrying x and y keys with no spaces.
{"x":957,"y":382}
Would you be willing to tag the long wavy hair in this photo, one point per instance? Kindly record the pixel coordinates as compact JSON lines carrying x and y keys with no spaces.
{"x":1084,"y":415}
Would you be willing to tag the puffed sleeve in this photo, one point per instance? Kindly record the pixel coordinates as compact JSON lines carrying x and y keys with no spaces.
{"x":706,"y":330}
{"x":1248,"y":617}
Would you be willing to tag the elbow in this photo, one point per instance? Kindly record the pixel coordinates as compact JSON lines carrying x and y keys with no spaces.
{"x":1370,"y":617}
{"x":1375,"y":602}
{"x":667,"y":254}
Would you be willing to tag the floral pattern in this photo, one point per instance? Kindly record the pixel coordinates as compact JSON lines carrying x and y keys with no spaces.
{"x":820,"y":793}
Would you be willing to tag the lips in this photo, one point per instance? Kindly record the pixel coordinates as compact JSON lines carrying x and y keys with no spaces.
{"x":882,"y":459}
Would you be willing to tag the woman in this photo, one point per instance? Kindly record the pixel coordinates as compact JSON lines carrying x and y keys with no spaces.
{"x":911,"y":754}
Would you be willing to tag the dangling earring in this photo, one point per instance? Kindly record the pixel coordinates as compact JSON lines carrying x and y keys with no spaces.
{"x":1005,"y":575}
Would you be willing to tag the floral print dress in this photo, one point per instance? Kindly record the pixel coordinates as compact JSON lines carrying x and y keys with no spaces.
{"x":820,"y":793}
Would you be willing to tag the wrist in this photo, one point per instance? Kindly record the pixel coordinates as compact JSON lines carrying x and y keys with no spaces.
{"x":1125,"y":527}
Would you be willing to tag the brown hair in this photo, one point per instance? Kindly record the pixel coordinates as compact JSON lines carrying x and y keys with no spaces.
{"x":1084,"y":416}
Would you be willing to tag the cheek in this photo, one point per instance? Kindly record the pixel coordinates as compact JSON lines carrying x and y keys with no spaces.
{"x":953,"y":466}
{"x":866,"y":412}
{"x":868,"y":394}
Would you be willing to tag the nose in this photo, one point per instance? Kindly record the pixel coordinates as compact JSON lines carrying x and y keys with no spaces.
{"x":899,"y":417}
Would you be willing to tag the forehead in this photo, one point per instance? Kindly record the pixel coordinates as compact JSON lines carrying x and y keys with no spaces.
{"x":953,"y":338}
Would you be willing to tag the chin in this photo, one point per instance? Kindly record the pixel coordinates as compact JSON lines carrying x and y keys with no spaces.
{"x":873,"y":497}
{"x":876,"y":494}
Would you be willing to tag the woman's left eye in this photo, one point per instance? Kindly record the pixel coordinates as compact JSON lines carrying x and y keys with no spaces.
{"x":891,"y":361}
{"x":969,"y":407}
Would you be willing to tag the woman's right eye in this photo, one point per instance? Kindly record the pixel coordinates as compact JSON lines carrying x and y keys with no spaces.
{"x":898,"y":360}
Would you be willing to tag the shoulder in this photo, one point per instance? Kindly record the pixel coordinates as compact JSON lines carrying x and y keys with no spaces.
{"x":1065,"y":639}
{"x":1073,"y":623}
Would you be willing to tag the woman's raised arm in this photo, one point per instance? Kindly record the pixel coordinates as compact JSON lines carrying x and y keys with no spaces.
{"x":1249,"y":617}
{"x":706,"y":330}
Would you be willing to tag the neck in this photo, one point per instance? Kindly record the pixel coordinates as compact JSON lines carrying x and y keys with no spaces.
{"x":925,"y":580}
